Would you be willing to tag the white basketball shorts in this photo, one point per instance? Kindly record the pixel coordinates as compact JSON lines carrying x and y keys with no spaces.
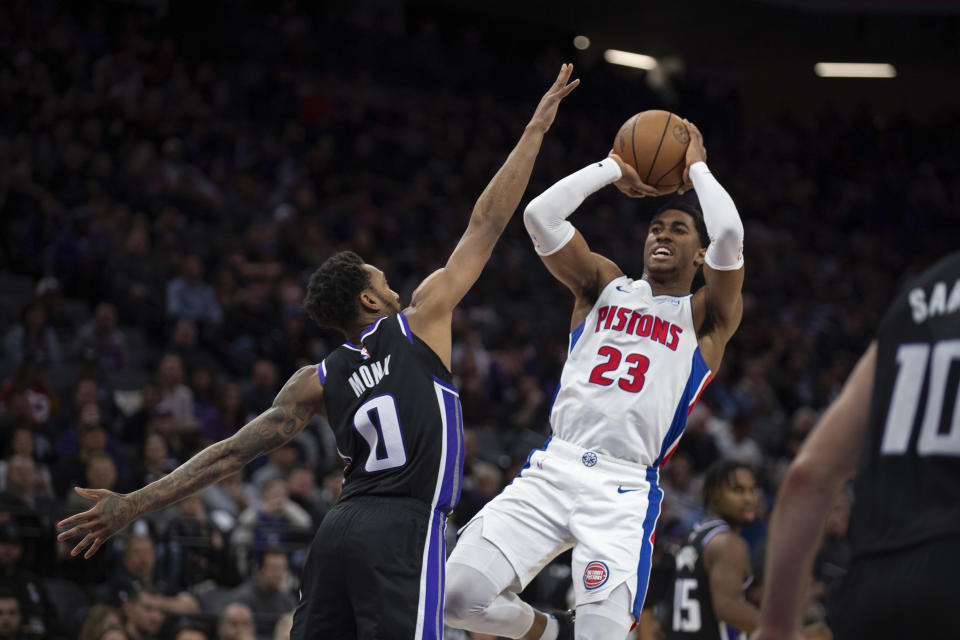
{"x":567,"y":496}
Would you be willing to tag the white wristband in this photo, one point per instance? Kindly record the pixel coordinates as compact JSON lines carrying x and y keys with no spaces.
{"x":720,"y":216}
{"x":546,"y":216}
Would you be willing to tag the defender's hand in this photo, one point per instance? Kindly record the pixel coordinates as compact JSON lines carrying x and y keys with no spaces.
{"x":630,"y":183}
{"x":547,"y":109}
{"x":696,"y":152}
{"x":110,"y":514}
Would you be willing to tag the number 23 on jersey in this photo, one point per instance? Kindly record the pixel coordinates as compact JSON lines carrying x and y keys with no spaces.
{"x":634,"y":367}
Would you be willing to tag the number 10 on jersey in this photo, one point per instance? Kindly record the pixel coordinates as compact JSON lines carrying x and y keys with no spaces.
{"x":912,"y":373}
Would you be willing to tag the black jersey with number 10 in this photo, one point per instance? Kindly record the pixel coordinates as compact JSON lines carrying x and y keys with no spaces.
{"x":395,"y":415}
{"x":908,"y":485}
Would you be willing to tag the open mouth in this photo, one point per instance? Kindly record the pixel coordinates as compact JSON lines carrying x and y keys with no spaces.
{"x":662,"y":252}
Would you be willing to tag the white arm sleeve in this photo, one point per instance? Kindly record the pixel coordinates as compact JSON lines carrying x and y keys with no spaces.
{"x":720,"y":216}
{"x":546,"y":215}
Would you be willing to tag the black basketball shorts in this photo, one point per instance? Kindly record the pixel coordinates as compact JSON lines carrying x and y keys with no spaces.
{"x":374,"y":572}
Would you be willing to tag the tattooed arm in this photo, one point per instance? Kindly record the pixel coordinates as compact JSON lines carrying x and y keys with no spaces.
{"x":300,"y":398}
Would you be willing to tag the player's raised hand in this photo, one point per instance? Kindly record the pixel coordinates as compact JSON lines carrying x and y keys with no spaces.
{"x":696,"y":152}
{"x":110,"y":514}
{"x":547,"y":109}
{"x":630,"y":183}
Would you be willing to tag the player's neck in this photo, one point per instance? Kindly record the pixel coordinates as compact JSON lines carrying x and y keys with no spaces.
{"x":734,"y":526}
{"x":667,"y":286}
{"x":364,"y":322}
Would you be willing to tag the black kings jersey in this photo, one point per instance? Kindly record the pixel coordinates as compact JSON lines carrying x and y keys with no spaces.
{"x":395,"y":415}
{"x":693,"y":617}
{"x":908,"y":485}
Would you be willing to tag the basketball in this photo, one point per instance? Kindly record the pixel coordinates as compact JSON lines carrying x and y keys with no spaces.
{"x":655,"y":144}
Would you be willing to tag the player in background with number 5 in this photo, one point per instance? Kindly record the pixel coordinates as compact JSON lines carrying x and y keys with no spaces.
{"x":898,"y":416}
{"x":641,"y":351}
{"x":375,"y":568}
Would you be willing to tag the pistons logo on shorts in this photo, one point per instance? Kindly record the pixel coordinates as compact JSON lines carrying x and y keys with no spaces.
{"x":595,"y":575}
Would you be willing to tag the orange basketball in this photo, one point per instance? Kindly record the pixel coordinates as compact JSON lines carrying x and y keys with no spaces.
{"x":655,"y":143}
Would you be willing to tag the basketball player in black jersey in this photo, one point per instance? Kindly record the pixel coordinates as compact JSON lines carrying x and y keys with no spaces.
{"x":899,"y":415}
{"x":713,"y":567}
{"x":375,"y":568}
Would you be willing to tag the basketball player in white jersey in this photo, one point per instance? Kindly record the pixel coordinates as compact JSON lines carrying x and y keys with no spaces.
{"x":641,"y":352}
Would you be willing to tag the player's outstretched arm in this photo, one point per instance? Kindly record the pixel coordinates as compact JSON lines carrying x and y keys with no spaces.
{"x":719,"y":304}
{"x":300,"y":398}
{"x":826,"y":461}
{"x":562,"y":248}
{"x":435,"y":298}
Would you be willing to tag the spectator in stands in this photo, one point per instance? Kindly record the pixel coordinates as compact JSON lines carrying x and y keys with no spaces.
{"x":197,"y":549}
{"x":78,"y":445}
{"x":101,"y":341}
{"x":139,"y":570}
{"x":156,"y":460}
{"x":99,"y":618}
{"x":236,"y":623}
{"x":35,"y":514}
{"x":134,"y":281}
{"x":289,"y":347}
{"x":682,"y":501}
{"x":100,"y":473}
{"x":35,"y":608}
{"x":230,"y":496}
{"x":248,"y":321}
{"x":305,"y":492}
{"x":736,"y":443}
{"x":143,"y":613}
{"x":267,"y":593}
{"x":231,"y":414}
{"x":263,"y":387}
{"x":185,"y":342}
{"x":191,"y":631}
{"x":29,"y":395}
{"x":190,"y":298}
{"x":274,"y":522}
{"x":33,"y":339}
{"x":698,"y":441}
{"x":23,"y":442}
{"x":11,"y":620}
{"x":114,"y":633}
{"x":280,"y":462}
{"x":202,"y":384}
{"x":176,"y":399}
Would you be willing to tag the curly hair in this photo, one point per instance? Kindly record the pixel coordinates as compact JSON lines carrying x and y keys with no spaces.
{"x":694,"y":212}
{"x":720,"y":473}
{"x":332,"y":293}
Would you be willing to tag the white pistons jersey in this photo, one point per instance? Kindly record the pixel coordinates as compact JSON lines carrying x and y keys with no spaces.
{"x":633,"y":373}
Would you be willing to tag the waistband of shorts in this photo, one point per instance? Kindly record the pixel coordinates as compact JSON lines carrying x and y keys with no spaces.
{"x":388,"y":502}
{"x":575,"y":452}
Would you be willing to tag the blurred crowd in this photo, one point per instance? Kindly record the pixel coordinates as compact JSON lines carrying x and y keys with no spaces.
{"x":171,"y":174}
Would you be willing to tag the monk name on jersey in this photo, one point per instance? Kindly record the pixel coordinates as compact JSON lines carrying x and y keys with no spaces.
{"x":369,"y":375}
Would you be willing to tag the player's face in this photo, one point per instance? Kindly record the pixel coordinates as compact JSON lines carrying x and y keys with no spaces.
{"x":672,"y":244}
{"x":387,"y":296}
{"x":736,"y":501}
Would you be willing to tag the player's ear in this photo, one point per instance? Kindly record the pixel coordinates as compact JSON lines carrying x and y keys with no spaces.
{"x":699,"y":257}
{"x":370,"y":302}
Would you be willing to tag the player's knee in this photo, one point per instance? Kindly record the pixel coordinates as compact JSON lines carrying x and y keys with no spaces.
{"x":464,"y":596}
